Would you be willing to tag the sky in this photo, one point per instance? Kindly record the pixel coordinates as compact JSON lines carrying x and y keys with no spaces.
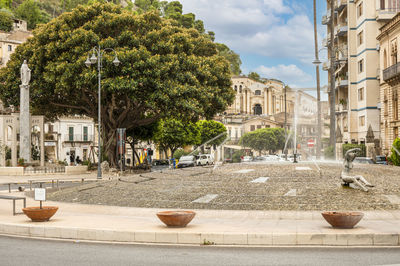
{"x":274,"y":38}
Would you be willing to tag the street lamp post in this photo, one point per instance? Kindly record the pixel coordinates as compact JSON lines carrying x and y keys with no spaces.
{"x":91,"y":61}
{"x":285,"y":151}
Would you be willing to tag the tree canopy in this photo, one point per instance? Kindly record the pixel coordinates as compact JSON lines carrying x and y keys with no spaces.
{"x":210,"y":129}
{"x":254,"y":76}
{"x":395,"y":156}
{"x":165,"y":70}
{"x":266,"y":139}
{"x":6,"y":21}
{"x":173,"y":134}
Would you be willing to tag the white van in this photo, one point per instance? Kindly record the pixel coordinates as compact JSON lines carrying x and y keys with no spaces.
{"x":204,"y":159}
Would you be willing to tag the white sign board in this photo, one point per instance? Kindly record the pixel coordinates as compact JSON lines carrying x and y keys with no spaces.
{"x":40,"y":194}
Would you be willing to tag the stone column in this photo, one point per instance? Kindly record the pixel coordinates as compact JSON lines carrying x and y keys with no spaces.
{"x":245,"y":102}
{"x":25,"y":125}
{"x":248,"y":102}
{"x":270,"y":106}
{"x":265,"y":110}
{"x":14,"y":143}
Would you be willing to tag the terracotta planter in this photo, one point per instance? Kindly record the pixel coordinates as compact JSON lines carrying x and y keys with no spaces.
{"x":40,"y":215}
{"x":344,"y":220}
{"x":176,"y":218}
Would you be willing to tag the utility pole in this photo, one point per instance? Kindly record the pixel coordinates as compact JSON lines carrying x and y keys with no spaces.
{"x":318,"y":153}
{"x":332,"y":137}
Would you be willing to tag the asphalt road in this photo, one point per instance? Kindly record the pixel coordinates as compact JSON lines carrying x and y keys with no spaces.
{"x":20,"y":251}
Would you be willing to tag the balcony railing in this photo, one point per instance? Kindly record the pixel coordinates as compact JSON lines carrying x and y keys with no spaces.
{"x":387,"y":10}
{"x":391,"y":72}
{"x":341,"y":4}
{"x":78,"y":138}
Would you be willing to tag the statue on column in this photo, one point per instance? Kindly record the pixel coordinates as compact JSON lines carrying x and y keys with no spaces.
{"x":24,"y":117}
{"x":358,"y":180}
{"x":25,"y":74}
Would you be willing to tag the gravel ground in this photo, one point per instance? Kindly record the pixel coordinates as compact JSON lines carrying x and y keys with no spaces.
{"x":178,"y":188}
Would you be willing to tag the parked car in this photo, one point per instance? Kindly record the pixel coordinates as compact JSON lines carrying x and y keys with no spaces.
{"x":186,"y":161}
{"x":363,"y":160}
{"x":160,"y":162}
{"x":247,"y":159}
{"x":204,"y":159}
{"x":381,"y":159}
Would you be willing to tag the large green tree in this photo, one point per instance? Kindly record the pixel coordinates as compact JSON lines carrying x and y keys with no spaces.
{"x":266,"y":139}
{"x":232,"y":57}
{"x":173,"y":134}
{"x":395,"y":156}
{"x":210,"y":129}
{"x":165,"y":70}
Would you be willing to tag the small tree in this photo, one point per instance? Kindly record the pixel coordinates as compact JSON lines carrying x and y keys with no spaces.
{"x":172,"y":134}
{"x":395,"y":157}
{"x":266,"y":139}
{"x":210,"y":129}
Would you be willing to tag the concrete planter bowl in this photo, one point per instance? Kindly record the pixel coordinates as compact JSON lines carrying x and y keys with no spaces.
{"x":37,"y":214}
{"x":344,"y":220}
{"x":176,"y":218}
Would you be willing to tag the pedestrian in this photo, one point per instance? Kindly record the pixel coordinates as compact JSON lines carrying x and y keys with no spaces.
{"x":72,"y":159}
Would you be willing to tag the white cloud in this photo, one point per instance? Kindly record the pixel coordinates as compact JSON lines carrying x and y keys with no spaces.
{"x":277,"y":6}
{"x":290,"y":74}
{"x":265,"y":27}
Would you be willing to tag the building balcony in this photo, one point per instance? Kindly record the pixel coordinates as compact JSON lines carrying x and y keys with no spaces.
{"x":391,"y":73}
{"x":78,"y":138}
{"x":341,"y":30}
{"x":341,"y":108}
{"x":326,"y":19}
{"x":386,"y":10}
{"x":341,"y":4}
{"x":326,"y":41}
{"x":341,"y":83}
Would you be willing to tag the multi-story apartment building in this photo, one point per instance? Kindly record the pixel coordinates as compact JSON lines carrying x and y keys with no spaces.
{"x":70,"y":137}
{"x":10,"y":40}
{"x":389,"y":40}
{"x":356,"y":66}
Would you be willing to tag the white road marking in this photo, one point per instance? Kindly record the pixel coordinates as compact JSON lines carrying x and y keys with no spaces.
{"x":260,"y":180}
{"x":206,"y":199}
{"x":300,"y":168}
{"x":393,"y":199}
{"x":291,"y":193}
{"x":244,"y":171}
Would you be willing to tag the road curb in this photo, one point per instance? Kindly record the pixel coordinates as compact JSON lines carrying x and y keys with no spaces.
{"x":202,"y":238}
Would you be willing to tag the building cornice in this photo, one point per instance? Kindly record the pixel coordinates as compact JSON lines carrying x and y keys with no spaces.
{"x":388,"y":27}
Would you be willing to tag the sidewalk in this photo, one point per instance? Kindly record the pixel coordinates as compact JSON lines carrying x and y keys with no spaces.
{"x":219,"y":227}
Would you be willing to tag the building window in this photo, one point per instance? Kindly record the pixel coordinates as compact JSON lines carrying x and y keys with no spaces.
{"x":240,"y":88}
{"x":85,"y":134}
{"x":361,"y":66}
{"x":257,"y":92}
{"x":360,"y":38}
{"x":236,"y":88}
{"x":362,"y":120}
{"x":258,"y":126}
{"x":361,"y":94}
{"x":9,"y":48}
{"x":252,"y":127}
{"x":360,"y":10}
{"x":382,"y":4}
{"x":71,"y":133}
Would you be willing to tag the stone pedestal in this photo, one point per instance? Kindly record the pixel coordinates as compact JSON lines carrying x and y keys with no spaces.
{"x":25,"y":125}
{"x":371,"y":151}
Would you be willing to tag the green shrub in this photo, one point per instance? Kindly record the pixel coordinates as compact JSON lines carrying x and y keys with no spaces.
{"x":8,"y":163}
{"x":395,"y":157}
{"x":347,"y":147}
{"x":179,"y":153}
{"x":329,"y":153}
{"x":21,"y":162}
{"x":236,"y":156}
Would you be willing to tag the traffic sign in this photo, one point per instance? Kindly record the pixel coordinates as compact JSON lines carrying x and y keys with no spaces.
{"x":310,"y":143}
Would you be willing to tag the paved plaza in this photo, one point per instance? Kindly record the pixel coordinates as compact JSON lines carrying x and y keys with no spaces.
{"x":246,"y":186}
